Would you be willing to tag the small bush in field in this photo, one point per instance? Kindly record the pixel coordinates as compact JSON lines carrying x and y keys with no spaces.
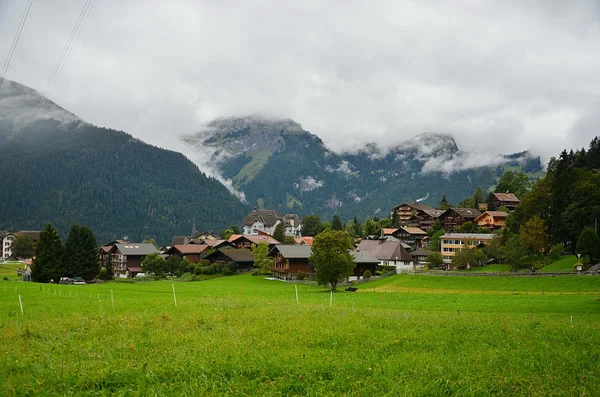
{"x":301,"y":276}
{"x":367,"y":274}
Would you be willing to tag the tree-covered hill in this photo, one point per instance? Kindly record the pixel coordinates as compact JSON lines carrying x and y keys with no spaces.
{"x":106,"y":179}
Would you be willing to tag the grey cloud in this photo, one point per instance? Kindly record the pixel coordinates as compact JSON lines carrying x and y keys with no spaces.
{"x":499,"y":76}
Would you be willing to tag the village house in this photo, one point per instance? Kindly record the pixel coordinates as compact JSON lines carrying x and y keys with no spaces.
{"x":389,"y":253}
{"x":426,"y":217}
{"x":411,"y":235}
{"x":456,"y":217}
{"x":304,"y":240}
{"x":7,"y":239}
{"x":266,"y":221}
{"x":420,"y":256}
{"x":507,"y":200}
{"x":242,"y":257}
{"x":246,"y":241}
{"x":127,"y":257}
{"x":192,"y":252}
{"x":365,"y":260}
{"x":492,"y":220}
{"x":450,"y":243}
{"x":405,"y":211}
{"x":289,"y":260}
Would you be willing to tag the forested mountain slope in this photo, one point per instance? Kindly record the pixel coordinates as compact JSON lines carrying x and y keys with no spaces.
{"x":68,"y":171}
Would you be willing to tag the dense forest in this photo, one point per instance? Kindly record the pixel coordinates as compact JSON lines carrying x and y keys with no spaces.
{"x":106,"y":179}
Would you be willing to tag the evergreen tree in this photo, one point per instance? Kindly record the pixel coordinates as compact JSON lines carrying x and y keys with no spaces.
{"x":81,"y":253}
{"x":396,"y":221}
{"x":22,"y":247}
{"x":357,"y":227}
{"x":48,"y":263}
{"x":109,"y":267}
{"x":444,"y":203}
{"x":72,"y":257}
{"x":279,"y":233}
{"x":311,"y":225}
{"x":588,"y":244}
{"x":478,"y":197}
{"x":336,"y":223}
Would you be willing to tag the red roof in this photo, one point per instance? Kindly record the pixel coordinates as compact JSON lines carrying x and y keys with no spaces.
{"x":254,"y":239}
{"x":187,"y":249}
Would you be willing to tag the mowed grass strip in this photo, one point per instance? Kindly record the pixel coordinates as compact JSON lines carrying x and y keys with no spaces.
{"x":245,"y":335}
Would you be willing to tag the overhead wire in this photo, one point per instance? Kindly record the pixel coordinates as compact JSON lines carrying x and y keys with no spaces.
{"x":13,"y":46}
{"x":53,"y":77}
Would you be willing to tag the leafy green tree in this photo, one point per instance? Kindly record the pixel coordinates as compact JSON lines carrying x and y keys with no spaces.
{"x":336,"y":223}
{"x":49,"y":255}
{"x":325,"y":225}
{"x":260,"y":253}
{"x":279,"y":233}
{"x":173,"y":266}
{"x":371,"y":228}
{"x":512,"y":251}
{"x":22,"y":247}
{"x":225,"y":234}
{"x":436,"y":226}
{"x":311,"y":225}
{"x":154,"y":264}
{"x":467,"y":227}
{"x":235,"y":229}
{"x":435,"y":259}
{"x":534,"y":237}
{"x":467,"y":257}
{"x":467,"y":203}
{"x":288,"y":240}
{"x":556,"y":251}
{"x":349,"y":228}
{"x":385,"y":222}
{"x":588,"y":244}
{"x":435,"y":240}
{"x":331,"y":257}
{"x":152,"y":241}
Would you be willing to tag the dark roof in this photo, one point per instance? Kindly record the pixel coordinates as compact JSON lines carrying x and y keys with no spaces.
{"x":413,"y":230}
{"x":467,"y":213}
{"x":292,"y":217}
{"x":267,"y":217}
{"x":421,"y":253}
{"x":414,"y":205}
{"x":385,"y":249}
{"x":32,"y":234}
{"x":136,"y":248}
{"x":433,"y":213}
{"x":364,"y":257}
{"x":179,"y":240}
{"x":510,"y":197}
{"x":292,"y":251}
{"x":235,"y":254}
{"x":254,"y":239}
{"x":4,"y":233}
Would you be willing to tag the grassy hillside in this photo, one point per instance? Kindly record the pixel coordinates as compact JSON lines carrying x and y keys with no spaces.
{"x":245,"y":335}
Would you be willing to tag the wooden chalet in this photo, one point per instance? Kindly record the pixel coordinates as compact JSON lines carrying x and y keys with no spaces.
{"x":289,"y":260}
{"x":492,"y":220}
{"x":411,"y":235}
{"x":192,"y":252}
{"x":456,"y":217}
{"x":127,"y":257}
{"x":242,"y":257}
{"x":507,"y":200}
{"x":405,"y":211}
{"x":389,"y":253}
{"x":365,"y":260}
{"x":246,"y":241}
{"x":424,"y":218}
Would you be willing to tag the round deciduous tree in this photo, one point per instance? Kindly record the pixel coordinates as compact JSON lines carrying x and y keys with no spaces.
{"x":332,"y":258}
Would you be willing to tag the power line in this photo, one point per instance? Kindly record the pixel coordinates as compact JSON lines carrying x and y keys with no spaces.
{"x":13,"y":46}
{"x":53,"y":77}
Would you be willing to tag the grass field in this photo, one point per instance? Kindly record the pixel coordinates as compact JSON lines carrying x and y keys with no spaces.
{"x":9,"y":269}
{"x":244,"y":335}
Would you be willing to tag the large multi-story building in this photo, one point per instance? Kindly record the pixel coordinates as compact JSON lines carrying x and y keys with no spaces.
{"x":450,"y":243}
{"x":265,"y":221}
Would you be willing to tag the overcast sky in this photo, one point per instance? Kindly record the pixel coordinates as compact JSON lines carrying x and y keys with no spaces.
{"x":502,"y":76}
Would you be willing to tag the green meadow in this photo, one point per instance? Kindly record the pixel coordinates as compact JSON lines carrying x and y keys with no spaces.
{"x":244,"y":335}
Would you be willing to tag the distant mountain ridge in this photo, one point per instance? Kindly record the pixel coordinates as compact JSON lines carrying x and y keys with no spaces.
{"x":70,"y":171}
{"x":277,"y":164}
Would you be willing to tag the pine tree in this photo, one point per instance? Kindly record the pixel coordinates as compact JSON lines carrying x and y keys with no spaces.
{"x":81,"y":253}
{"x":109,"y":267}
{"x":444,"y":203}
{"x":48,"y":263}
{"x":279,"y":233}
{"x":336,"y":224}
{"x":72,"y":258}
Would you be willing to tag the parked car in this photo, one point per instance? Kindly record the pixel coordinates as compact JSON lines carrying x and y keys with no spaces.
{"x":65,"y":280}
{"x":78,"y":280}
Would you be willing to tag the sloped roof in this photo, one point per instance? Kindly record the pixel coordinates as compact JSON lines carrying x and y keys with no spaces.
{"x":507,"y":197}
{"x":414,"y":205}
{"x":364,"y":257}
{"x":307,"y":240}
{"x":413,"y":230}
{"x":292,"y":217}
{"x":292,"y":251}
{"x":385,"y":250}
{"x":267,"y":217}
{"x":493,"y":214}
{"x":179,"y":240}
{"x":389,"y":230}
{"x":32,"y":234}
{"x":188,"y":249}
{"x":136,"y":248}
{"x":421,"y":253}
{"x":467,"y":213}
{"x":254,"y":239}
{"x":235,"y":254}
{"x":213,"y":243}
{"x":433,"y":213}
